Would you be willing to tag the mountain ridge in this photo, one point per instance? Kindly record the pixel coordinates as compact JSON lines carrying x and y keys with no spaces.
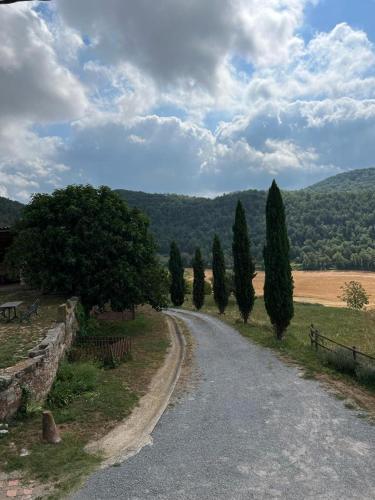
{"x":331,"y":224}
{"x":328,"y":228}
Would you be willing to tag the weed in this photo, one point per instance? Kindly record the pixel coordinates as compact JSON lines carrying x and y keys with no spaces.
{"x":342,"y":360}
{"x":72,"y":380}
{"x":365,"y":374}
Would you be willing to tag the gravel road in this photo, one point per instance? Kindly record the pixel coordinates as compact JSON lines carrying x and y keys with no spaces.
{"x":251,"y":428}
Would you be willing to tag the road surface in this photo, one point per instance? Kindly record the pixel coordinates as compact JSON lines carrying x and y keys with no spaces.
{"x":252,"y":428}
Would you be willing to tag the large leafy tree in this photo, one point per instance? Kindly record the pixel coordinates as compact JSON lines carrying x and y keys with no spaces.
{"x":87,"y":242}
{"x":243,"y":265}
{"x":220,"y":286}
{"x":198,"y":284}
{"x":176,"y":270}
{"x":278,"y":284}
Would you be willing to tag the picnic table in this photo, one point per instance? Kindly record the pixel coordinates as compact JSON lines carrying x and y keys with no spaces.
{"x":8,"y":307}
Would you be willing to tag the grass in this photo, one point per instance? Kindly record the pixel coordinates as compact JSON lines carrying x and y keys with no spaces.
{"x":87,"y":401}
{"x":343,"y":325}
{"x":16,"y":339}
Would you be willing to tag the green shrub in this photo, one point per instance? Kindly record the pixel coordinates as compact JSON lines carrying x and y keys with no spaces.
{"x":365,"y":374}
{"x":207,"y":288}
{"x":87,"y":326}
{"x":342,"y":360}
{"x":72,"y":380}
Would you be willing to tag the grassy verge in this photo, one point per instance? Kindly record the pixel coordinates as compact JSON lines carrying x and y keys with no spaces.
{"x":87,"y":401}
{"x":343,"y":325}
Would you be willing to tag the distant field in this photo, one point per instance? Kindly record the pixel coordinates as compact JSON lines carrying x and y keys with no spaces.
{"x":321,"y":287}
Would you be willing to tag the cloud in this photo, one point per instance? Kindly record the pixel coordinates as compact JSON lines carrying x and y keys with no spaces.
{"x":35,"y":87}
{"x":167,"y":154}
{"x":179,"y":42}
{"x":174,"y":96}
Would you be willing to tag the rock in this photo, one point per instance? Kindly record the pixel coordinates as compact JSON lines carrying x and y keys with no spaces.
{"x":5,"y":381}
{"x":50,"y":431}
{"x":3,"y":432}
{"x":24,"y":452}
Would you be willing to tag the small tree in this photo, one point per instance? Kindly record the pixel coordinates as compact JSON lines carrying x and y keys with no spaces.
{"x":354,"y":295}
{"x":176,"y":269}
{"x":198,"y":284}
{"x":278,"y":284}
{"x":243,"y":265}
{"x":219,"y":281}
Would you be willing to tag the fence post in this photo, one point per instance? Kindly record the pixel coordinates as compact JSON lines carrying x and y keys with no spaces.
{"x":354,"y":353}
{"x":312,"y":334}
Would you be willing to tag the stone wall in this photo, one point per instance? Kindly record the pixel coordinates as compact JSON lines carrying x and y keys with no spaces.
{"x":36,"y":374}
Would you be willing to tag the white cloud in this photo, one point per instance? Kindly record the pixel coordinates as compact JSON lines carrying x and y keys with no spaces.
{"x":142,"y":95}
{"x":34,"y":88}
{"x":33,"y":85}
{"x":175,"y":41}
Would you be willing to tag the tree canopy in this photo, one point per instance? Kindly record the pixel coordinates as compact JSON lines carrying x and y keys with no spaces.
{"x":87,"y":242}
{"x":177,"y":281}
{"x":219,"y":278}
{"x":198,"y":284}
{"x":243,"y":265}
{"x":278,"y":283}
{"x":327,"y":229}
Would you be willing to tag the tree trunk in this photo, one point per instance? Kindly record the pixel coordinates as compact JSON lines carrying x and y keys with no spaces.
{"x":279,"y":332}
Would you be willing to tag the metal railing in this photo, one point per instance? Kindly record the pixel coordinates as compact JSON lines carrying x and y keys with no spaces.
{"x":319,"y":340}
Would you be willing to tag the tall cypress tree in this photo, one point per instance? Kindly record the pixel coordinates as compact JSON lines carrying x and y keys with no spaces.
{"x":198,"y":284}
{"x":243,"y":265}
{"x":220,"y":288}
{"x":176,"y":269}
{"x":278,"y":284}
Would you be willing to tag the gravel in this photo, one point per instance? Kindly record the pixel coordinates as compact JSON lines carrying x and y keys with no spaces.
{"x":252,"y":428}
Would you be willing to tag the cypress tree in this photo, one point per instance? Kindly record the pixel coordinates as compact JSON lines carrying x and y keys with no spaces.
{"x":243,"y":265}
{"x":176,"y":269}
{"x":198,"y":284}
{"x":220,"y":288}
{"x":278,"y":284}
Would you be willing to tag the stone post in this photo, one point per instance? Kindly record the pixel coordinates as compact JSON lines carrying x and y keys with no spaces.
{"x":50,"y":431}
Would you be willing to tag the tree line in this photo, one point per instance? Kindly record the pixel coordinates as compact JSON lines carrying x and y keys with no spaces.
{"x":327,"y":230}
{"x":278,"y":286}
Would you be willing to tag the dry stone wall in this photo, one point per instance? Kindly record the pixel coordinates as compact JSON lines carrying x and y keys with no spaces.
{"x":36,"y":374}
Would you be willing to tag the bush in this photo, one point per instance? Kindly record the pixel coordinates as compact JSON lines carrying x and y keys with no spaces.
{"x":354,"y":295}
{"x":365,"y":374}
{"x":87,"y":326}
{"x":207,"y":288}
{"x":72,"y":380}
{"x":342,"y":360}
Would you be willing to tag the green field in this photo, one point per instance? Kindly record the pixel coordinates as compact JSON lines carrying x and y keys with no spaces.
{"x":342,"y":325}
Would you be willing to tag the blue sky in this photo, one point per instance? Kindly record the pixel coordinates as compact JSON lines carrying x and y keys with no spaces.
{"x":188,"y":97}
{"x":360,"y":14}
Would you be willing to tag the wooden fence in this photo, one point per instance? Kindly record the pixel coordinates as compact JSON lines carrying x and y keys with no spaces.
{"x":319,"y":340}
{"x":108,"y":350}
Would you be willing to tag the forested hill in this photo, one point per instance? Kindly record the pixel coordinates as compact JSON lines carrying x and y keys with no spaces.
{"x":331,"y":224}
{"x":9,"y":211}
{"x":327,"y":229}
{"x":355,"y":180}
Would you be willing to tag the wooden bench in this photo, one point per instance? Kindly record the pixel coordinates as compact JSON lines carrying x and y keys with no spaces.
{"x":33,"y":309}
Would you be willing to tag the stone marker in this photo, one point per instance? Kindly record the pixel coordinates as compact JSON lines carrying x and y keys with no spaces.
{"x":50,"y":431}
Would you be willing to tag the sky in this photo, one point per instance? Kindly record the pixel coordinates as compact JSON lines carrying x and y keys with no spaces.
{"x":184,"y":96}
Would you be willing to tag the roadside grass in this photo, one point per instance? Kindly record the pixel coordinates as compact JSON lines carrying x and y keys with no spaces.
{"x":87,"y":401}
{"x":16,"y":339}
{"x":342,"y":325}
